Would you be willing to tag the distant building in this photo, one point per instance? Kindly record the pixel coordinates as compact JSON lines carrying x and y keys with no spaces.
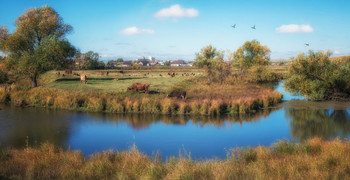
{"x":126,"y":63}
{"x":153,"y":63}
{"x":151,"y":58}
{"x":178,"y":63}
{"x":143,"y":62}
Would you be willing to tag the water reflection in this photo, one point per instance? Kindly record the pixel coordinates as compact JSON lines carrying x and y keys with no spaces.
{"x":144,"y":121}
{"x":306,"y":123}
{"x":31,"y":126}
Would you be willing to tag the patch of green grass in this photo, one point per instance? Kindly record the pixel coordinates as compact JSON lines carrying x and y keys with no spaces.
{"x":97,"y":82}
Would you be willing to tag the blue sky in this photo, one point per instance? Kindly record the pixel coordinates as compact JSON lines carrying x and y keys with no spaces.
{"x":177,"y":29}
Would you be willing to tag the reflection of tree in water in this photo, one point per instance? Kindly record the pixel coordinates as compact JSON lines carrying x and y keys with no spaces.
{"x":33,"y":126}
{"x":143,"y":121}
{"x":324,"y":123}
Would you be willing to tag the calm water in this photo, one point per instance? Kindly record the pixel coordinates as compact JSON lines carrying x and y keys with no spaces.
{"x":204,"y":137}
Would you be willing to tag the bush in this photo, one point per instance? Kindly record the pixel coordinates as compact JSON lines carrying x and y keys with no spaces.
{"x":260,"y":73}
{"x":3,"y":77}
{"x":318,"y":78}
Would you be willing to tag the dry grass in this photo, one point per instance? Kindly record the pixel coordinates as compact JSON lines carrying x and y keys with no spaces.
{"x":203,"y":100}
{"x":315,"y":159}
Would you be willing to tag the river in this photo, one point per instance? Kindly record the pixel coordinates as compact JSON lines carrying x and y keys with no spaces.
{"x":201,"y":137}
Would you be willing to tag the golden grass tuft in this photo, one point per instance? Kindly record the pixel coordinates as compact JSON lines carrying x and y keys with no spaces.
{"x":314,"y":159}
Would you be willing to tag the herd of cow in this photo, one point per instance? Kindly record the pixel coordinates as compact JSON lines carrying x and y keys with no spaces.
{"x":136,"y":87}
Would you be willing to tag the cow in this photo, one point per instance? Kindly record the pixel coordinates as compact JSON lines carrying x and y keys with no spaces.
{"x":76,"y":74}
{"x":83,"y":78}
{"x":107,"y":73}
{"x":122,"y":72}
{"x":172,"y":74}
{"x":160,"y":75}
{"x":138,"y":87}
{"x":63,"y":75}
{"x":116,"y":79}
{"x":58,"y":74}
{"x":68,"y":71}
{"x":178,"y":94}
{"x":101,"y":73}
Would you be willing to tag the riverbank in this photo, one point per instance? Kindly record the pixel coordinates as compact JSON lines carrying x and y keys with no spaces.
{"x":203,"y":99}
{"x":315,"y":159}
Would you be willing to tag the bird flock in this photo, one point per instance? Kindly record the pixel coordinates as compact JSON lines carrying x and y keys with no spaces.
{"x":254,"y":28}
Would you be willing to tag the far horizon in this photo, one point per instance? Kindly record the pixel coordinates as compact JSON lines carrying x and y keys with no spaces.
{"x":177,"y":29}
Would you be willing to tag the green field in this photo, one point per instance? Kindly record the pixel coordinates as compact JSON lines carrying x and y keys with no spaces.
{"x":97,"y":82}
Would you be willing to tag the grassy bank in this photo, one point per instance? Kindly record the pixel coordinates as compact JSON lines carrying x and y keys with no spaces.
{"x":315,"y":159}
{"x":246,"y":99}
{"x":104,"y":94}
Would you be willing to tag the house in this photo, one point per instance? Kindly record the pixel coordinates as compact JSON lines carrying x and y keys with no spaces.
{"x":143,"y":62}
{"x":153,"y":63}
{"x":127,"y":63}
{"x":178,"y":63}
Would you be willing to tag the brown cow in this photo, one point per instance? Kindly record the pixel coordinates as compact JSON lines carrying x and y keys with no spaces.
{"x":68,"y":71}
{"x":76,"y":74}
{"x":172,"y":74}
{"x":177,"y":94}
{"x":139,"y":87}
{"x":83,"y":78}
{"x":58,"y":74}
{"x":101,"y":73}
{"x":116,"y":79}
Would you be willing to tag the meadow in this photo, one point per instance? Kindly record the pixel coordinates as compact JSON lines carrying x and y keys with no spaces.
{"x":314,"y":159}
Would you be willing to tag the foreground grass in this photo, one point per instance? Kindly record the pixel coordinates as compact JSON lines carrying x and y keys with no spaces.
{"x":315,"y":159}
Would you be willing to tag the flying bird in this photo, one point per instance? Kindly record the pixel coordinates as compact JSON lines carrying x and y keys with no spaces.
{"x":253,"y":27}
{"x":234,"y":26}
{"x":307,"y":44}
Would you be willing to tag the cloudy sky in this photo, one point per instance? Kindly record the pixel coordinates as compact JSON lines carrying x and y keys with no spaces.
{"x":177,"y":29}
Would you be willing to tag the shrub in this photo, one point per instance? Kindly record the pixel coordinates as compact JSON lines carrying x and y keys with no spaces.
{"x":318,"y":78}
{"x":3,"y":77}
{"x":260,"y":74}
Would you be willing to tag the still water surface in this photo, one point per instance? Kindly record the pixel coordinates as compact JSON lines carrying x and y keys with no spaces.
{"x":203,"y":137}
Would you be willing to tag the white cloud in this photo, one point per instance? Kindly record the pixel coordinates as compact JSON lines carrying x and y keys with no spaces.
{"x":176,"y":11}
{"x":134,"y":31}
{"x":336,"y":52}
{"x":295,"y":28}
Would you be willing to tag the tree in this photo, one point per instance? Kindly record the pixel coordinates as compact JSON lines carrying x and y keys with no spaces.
{"x":212,"y":61}
{"x":167,"y":63}
{"x":38,"y":43}
{"x":3,"y":38}
{"x":90,"y":60}
{"x":250,"y":54}
{"x":120,"y":60}
{"x":318,"y":78}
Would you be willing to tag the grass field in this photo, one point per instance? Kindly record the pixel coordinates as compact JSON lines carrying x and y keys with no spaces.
{"x":98,"y":82}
